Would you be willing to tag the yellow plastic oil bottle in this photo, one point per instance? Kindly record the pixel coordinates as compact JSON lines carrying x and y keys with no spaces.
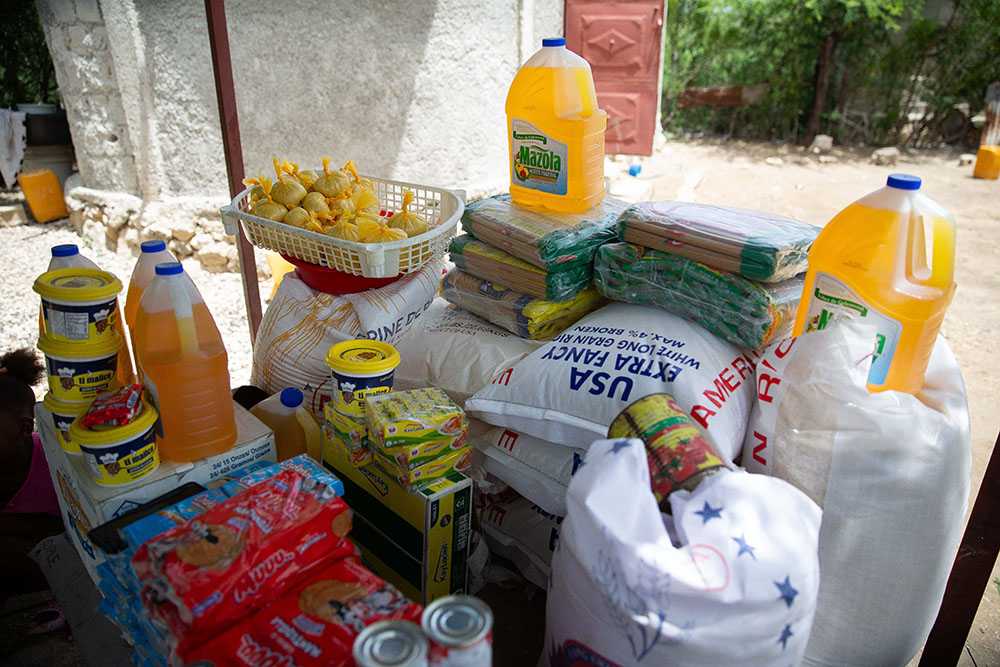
{"x":555,"y":132}
{"x":295,"y":430}
{"x":888,"y":258}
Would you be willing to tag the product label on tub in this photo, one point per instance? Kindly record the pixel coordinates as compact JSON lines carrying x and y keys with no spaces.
{"x":74,"y":322}
{"x":123,"y":463}
{"x":80,"y":380}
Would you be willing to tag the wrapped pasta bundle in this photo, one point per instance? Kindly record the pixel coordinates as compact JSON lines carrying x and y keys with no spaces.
{"x":289,"y":192}
{"x":266,"y":207}
{"x":484,"y":261}
{"x":370,"y":231}
{"x":744,"y":312}
{"x":411,"y":223}
{"x":331,"y":183}
{"x":547,"y":240}
{"x":755,"y":244}
{"x":521,"y":314}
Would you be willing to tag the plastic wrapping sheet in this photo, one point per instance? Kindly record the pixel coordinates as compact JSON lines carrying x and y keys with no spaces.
{"x":521,"y":314}
{"x":547,"y":240}
{"x":755,"y":244}
{"x":744,"y":312}
{"x":484,"y":261}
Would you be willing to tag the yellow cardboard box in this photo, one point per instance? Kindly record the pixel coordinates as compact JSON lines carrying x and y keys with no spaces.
{"x":418,"y":541}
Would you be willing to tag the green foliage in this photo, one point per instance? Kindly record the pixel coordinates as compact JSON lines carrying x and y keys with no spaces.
{"x":888,"y":63}
{"x":26,"y":70}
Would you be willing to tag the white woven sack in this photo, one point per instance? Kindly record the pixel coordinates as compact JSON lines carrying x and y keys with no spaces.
{"x":729,"y":578}
{"x":457,"y":351}
{"x":520,"y":531}
{"x":538,"y":470}
{"x":572,"y":388}
{"x":301,"y":324}
{"x":892,"y":473}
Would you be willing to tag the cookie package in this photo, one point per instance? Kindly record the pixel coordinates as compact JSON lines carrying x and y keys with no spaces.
{"x":206,"y":573}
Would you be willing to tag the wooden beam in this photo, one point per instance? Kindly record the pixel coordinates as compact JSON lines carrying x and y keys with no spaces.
{"x":225,"y":92}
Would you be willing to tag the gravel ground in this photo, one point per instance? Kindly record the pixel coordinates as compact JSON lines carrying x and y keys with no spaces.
{"x":31,"y":244}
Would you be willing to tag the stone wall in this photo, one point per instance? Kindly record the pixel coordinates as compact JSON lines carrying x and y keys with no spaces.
{"x":411,"y":91}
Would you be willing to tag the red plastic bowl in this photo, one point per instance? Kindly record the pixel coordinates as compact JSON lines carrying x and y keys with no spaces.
{"x":332,"y":281}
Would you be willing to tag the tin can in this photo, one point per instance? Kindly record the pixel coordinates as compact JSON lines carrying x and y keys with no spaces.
{"x":396,"y":643}
{"x":460,"y":630}
{"x":679,"y":455}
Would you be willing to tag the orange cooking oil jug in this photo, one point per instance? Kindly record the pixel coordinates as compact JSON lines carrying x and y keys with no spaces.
{"x":184,"y":367}
{"x":555,"y":132}
{"x":888,"y":258}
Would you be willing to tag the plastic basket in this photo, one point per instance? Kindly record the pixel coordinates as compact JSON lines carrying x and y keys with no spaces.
{"x":442,"y":209}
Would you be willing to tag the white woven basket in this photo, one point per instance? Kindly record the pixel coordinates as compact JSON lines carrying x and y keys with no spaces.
{"x":442,"y":209}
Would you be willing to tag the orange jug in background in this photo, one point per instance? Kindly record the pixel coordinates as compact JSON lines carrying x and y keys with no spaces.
{"x":184,"y":367}
{"x":295,"y":429}
{"x":152,"y":253}
{"x":888,"y":258}
{"x":555,"y":132}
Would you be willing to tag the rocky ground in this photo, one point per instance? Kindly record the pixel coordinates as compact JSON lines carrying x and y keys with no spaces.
{"x":780,"y":178}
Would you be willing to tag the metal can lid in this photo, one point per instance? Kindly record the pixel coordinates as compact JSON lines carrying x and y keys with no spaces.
{"x":457,"y":620}
{"x":397,"y":643}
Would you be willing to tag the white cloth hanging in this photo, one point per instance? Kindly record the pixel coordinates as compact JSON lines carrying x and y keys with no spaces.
{"x":13,"y":140}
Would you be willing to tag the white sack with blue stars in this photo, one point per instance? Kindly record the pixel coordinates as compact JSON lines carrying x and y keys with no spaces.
{"x":892,"y":473}
{"x":730,"y":578}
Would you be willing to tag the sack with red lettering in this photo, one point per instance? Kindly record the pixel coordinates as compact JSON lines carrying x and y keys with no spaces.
{"x":520,"y":531}
{"x":891,"y":471}
{"x":572,"y":388}
{"x":538,"y":470}
{"x":314,"y":623}
{"x":214,"y":569}
{"x":455,"y":350}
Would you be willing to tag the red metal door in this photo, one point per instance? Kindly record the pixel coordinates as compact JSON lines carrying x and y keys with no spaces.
{"x":622,"y":42}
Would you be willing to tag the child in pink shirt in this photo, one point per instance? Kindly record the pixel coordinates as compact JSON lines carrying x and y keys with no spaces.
{"x":29,"y":510}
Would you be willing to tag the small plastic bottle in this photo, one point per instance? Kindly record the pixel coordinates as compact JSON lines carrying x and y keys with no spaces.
{"x":889,"y":259}
{"x":555,"y":132}
{"x":184,"y":368}
{"x":295,"y":429}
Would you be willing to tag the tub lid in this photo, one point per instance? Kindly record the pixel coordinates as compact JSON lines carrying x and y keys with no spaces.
{"x":57,"y":407}
{"x":103,"y":347}
{"x":99,"y":436}
{"x":362,"y":357}
{"x":75,"y":284}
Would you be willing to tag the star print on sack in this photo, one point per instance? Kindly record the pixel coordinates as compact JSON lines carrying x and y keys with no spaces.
{"x":744,"y":547}
{"x":618,"y":445}
{"x":785,"y":635}
{"x":787,"y":592}
{"x":709,"y":512}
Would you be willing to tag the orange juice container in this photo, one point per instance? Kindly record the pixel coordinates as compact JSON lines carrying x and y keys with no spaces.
{"x":295,"y":429}
{"x":555,"y":132}
{"x":889,"y":259}
{"x":184,"y":368}
{"x":153,"y":253}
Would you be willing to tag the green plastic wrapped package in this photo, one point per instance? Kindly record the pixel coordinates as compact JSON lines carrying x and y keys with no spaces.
{"x":550,"y":241}
{"x":523,"y":315}
{"x":761,"y":246}
{"x":484,"y":261}
{"x":744,"y":312}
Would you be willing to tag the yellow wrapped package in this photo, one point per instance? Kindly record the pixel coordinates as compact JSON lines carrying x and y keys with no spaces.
{"x":522,"y":314}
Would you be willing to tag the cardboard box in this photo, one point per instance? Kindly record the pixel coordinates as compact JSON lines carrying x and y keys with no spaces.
{"x":85,"y":504}
{"x":418,"y":542}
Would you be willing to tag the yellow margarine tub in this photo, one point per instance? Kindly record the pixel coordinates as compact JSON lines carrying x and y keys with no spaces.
{"x":119,"y":455}
{"x":63,"y":414}
{"x":360,"y":368}
{"x":79,"y":306}
{"x":77,"y":373}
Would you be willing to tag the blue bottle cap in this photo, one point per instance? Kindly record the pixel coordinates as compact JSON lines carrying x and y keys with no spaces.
{"x":169,"y":269}
{"x":903,"y":182}
{"x":291,"y":397}
{"x":554,"y":41}
{"x":153,"y":246}
{"x":65,"y":250}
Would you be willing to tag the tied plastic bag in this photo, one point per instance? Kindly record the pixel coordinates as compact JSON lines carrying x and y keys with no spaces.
{"x":729,"y":578}
{"x":892,"y":473}
{"x":301,"y":324}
